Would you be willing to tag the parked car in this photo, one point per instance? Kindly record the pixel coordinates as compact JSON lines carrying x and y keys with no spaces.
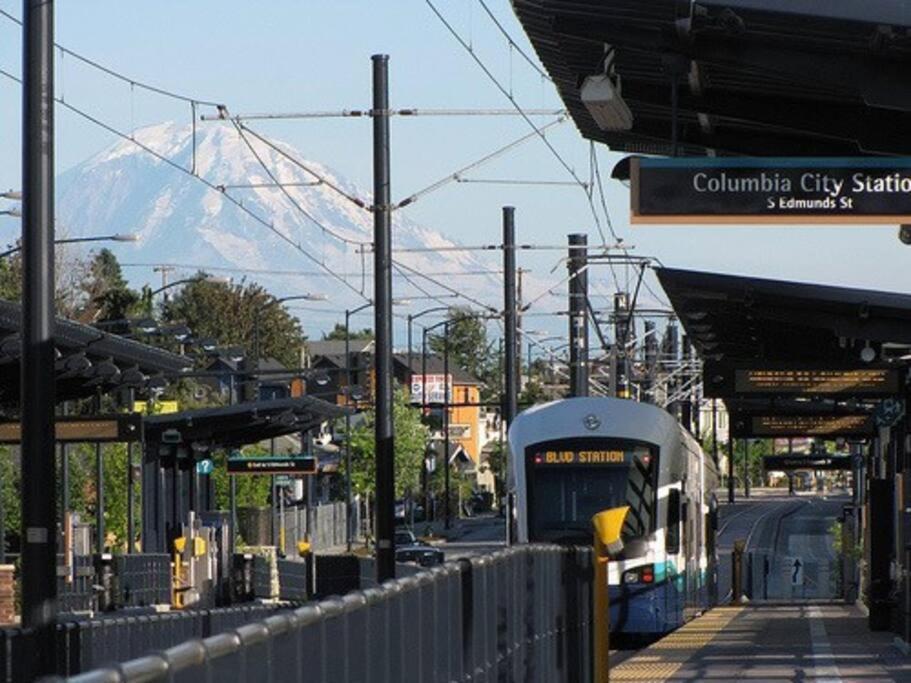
{"x":409,"y":549}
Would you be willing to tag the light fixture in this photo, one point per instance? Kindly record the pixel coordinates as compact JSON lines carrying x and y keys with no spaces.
{"x":904,"y":233}
{"x":602,"y":98}
{"x":868,"y":353}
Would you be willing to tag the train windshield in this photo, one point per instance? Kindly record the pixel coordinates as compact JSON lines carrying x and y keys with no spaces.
{"x":569,"y":481}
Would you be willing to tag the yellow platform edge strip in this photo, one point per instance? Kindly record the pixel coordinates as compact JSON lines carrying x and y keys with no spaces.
{"x":660,"y":661}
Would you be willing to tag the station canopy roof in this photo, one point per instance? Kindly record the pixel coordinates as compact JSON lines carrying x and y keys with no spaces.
{"x":757,"y":77}
{"x":87,"y":359}
{"x":746,"y":322}
{"x":736,"y":318}
{"x":243,"y":423}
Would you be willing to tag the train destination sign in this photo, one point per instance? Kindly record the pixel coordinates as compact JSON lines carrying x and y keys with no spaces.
{"x":771,"y":190}
{"x":272,"y":465}
{"x":586,"y":457}
{"x":747,"y":426}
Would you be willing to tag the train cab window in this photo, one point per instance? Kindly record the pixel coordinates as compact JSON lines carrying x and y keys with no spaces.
{"x":674,"y":512}
{"x":570,"y":482}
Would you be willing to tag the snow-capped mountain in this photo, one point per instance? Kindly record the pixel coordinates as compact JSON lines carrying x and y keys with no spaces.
{"x":178,"y":219}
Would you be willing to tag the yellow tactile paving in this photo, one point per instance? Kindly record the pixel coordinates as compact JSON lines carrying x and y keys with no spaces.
{"x":662,"y":660}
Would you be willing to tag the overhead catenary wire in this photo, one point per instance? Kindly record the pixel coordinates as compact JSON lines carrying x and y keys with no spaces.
{"x":357,"y":201}
{"x":292,"y":273}
{"x":367,"y":113}
{"x":471,"y":52}
{"x":452,"y":177}
{"x":515,"y":46}
{"x":322,"y":226}
{"x":133,"y":82}
{"x":111,"y":129}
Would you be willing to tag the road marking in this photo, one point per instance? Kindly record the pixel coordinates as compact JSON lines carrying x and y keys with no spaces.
{"x":825,"y":670}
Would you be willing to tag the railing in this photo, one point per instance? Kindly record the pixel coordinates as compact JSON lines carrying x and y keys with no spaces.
{"x":86,"y":644}
{"x":519,"y":614}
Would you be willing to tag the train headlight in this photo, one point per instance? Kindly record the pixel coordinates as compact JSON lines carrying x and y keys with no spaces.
{"x":630,"y":577}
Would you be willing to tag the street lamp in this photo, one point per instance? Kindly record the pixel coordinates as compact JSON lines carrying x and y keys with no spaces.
{"x":215,"y":279}
{"x":411,"y":319}
{"x":71,"y":240}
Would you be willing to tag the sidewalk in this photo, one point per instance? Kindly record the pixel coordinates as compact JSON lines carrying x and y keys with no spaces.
{"x":811,"y":642}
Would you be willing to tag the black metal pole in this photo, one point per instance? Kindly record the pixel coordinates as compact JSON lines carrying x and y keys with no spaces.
{"x":746,"y":467}
{"x":99,"y":498}
{"x":578,"y":320}
{"x":39,"y":510}
{"x":382,"y":288}
{"x":730,"y":465}
{"x":447,"y":513}
{"x":410,"y":355}
{"x":510,"y":314}
{"x":715,"y":431}
{"x":348,"y":515}
{"x":232,"y":490}
{"x":130,"y":503}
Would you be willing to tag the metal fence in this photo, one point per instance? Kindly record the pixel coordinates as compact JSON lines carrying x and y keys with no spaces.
{"x":327,"y":526}
{"x":142,"y":579}
{"x":520,"y":614}
{"x":87,"y":644}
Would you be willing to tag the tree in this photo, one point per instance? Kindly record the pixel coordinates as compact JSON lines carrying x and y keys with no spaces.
{"x":338,"y":333}
{"x":410,"y":443}
{"x":227,"y":313}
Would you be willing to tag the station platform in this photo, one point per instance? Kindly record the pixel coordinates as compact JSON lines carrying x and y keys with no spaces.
{"x":825,"y":643}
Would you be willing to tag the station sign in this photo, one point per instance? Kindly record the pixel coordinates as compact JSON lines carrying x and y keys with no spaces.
{"x":723,"y":381}
{"x":273,"y":465}
{"x":830,"y":426}
{"x":101,"y":429}
{"x":803,"y":462}
{"x":738,"y":190}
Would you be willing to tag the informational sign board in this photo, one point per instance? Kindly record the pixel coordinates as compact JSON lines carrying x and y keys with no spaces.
{"x":205,"y":466}
{"x":722,"y":381}
{"x":889,"y":412}
{"x":786,"y":463}
{"x":738,"y":190}
{"x":156,"y":407}
{"x":115,"y":428}
{"x":436,"y":386}
{"x":273,"y":465}
{"x":745,"y":426}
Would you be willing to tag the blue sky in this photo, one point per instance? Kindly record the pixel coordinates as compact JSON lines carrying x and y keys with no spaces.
{"x":309,"y":55}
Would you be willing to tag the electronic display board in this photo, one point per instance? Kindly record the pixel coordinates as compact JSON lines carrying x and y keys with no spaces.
{"x":807,"y":462}
{"x":272,"y":465}
{"x":809,"y":382}
{"x":557,"y":457}
{"x":114,"y":429}
{"x":738,"y":190}
{"x":748,"y":426}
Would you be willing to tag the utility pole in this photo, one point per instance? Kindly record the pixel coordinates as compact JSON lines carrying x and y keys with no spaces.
{"x":382,"y":289}
{"x":578,"y":315}
{"x":38,"y":398}
{"x":447,"y":508}
{"x":510,"y":312}
{"x":621,"y":337}
{"x":519,"y":329}
{"x":510,"y":315}
{"x":651,"y":362}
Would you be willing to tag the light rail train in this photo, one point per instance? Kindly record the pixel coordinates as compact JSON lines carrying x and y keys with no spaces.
{"x":573,"y":458}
